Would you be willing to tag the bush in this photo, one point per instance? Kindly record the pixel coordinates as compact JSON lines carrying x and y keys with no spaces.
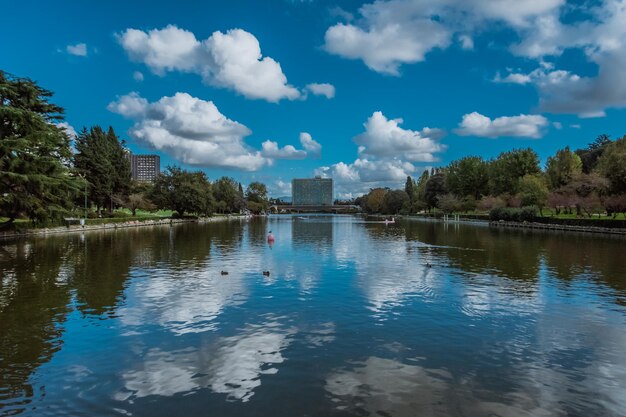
{"x":504,"y":213}
{"x":510,"y":214}
{"x":528,"y":213}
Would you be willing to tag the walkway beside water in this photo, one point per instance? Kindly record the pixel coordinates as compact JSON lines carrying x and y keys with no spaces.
{"x":109,"y":226}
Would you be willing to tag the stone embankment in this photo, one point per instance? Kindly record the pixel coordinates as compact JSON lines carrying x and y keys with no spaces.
{"x":110,"y":226}
{"x":559,"y":227}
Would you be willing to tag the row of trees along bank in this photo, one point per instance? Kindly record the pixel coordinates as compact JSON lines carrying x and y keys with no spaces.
{"x":586,"y":182}
{"x":43,"y":179}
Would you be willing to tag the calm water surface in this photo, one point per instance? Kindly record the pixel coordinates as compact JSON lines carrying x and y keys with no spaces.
{"x":351,"y":321}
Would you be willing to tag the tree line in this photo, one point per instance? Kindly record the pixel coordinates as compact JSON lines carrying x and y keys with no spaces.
{"x":587,"y":181}
{"x":42,"y":178}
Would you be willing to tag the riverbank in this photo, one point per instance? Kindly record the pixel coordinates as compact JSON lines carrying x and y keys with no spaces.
{"x":110,"y":226}
{"x":559,"y":227}
{"x":544,"y":223}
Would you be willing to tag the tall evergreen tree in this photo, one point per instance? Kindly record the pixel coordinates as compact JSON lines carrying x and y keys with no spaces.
{"x":591,"y":154}
{"x":121,"y":164}
{"x":101,"y":158}
{"x":409,"y":188}
{"x":35,"y":179}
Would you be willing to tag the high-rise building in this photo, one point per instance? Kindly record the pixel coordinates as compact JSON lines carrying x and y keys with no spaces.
{"x":144,"y":168}
{"x":316,"y":191}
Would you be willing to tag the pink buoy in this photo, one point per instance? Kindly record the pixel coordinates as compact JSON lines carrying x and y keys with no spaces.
{"x":270,"y":237}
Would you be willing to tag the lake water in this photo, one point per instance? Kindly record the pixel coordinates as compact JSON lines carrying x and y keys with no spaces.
{"x":351,"y":321}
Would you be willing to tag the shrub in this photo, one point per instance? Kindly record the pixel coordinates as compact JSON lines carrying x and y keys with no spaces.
{"x":528,"y":213}
{"x":504,"y":213}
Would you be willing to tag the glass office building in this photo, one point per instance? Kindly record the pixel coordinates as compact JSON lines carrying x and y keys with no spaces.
{"x":312,"y":191}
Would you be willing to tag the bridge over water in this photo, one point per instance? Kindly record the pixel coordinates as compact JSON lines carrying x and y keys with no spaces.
{"x":288,"y":208}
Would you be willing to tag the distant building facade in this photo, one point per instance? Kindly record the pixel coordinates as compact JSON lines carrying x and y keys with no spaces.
{"x":316,"y":191}
{"x":144,"y":168}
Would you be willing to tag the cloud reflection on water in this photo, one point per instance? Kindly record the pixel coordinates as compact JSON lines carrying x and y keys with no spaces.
{"x":232,"y":365}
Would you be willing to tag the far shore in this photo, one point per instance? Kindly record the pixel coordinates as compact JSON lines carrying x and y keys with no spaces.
{"x":545,"y":224}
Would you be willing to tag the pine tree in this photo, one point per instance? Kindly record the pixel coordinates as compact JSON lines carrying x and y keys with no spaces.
{"x":35,"y":180}
{"x":101,"y":158}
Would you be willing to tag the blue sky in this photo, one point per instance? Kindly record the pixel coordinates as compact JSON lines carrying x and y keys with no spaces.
{"x":365,"y":92}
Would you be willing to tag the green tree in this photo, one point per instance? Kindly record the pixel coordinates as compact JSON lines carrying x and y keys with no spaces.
{"x":468,"y":176}
{"x":395,"y":200}
{"x":373,"y":202}
{"x":506,"y":170}
{"x":120,"y":163}
{"x":563,"y":167}
{"x":589,"y":156}
{"x":226,"y":189}
{"x":435,"y":187}
{"x":35,"y":179}
{"x":137,"y":198}
{"x":533,"y":191}
{"x":182,"y":191}
{"x":257,"y":192}
{"x":101,"y":158}
{"x":410,"y":188}
{"x":612,"y":165}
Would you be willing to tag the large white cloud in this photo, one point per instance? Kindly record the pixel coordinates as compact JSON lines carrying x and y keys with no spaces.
{"x":602,"y":40}
{"x":386,"y":156}
{"x":384,"y":47}
{"x":391,"y":33}
{"x":384,"y":138}
{"x":524,"y":125}
{"x":231,"y":60}
{"x":194,"y":132}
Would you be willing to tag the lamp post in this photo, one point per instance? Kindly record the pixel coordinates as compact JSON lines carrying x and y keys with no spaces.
{"x":85,"y":217}
{"x":84,"y":177}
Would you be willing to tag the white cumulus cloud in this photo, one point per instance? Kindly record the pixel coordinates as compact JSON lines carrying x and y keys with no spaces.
{"x":189,"y":129}
{"x":395,"y":32}
{"x":194,"y":132}
{"x":321,"y":89}
{"x":230,"y":60}
{"x":602,"y":40}
{"x":270,"y":149}
{"x":384,"y":47}
{"x":524,"y":125}
{"x":387,"y":154}
{"x":79,"y":49}
{"x":310,"y":145}
{"x":384,"y":138}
